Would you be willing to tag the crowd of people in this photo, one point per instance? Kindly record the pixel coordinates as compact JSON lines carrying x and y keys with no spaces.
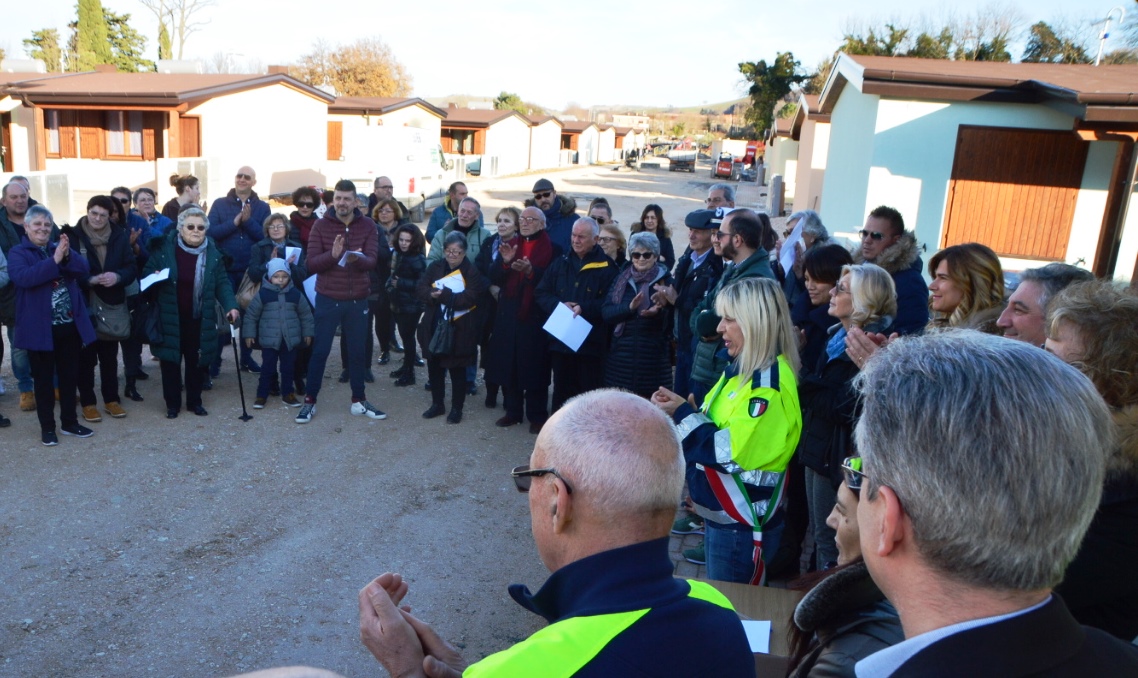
{"x":812,"y":386}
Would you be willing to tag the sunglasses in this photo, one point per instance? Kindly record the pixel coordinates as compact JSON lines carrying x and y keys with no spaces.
{"x":125,"y":201}
{"x":523,"y":477}
{"x":543,"y":195}
{"x":306,"y":204}
{"x":641,"y":255}
{"x":871,"y":235}
{"x":246,"y":177}
{"x":191,"y":227}
{"x":600,"y":220}
{"x":606,"y":238}
{"x":851,"y":469}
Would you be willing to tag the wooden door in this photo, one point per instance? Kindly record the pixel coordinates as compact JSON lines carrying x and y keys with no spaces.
{"x":335,"y":140}
{"x":1014,"y":190}
{"x":190,"y":131}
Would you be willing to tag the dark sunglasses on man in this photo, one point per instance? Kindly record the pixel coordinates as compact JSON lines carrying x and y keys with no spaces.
{"x":851,"y":469}
{"x":523,"y":477}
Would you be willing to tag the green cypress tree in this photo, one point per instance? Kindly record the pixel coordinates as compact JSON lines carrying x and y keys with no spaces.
{"x":92,"y":40}
{"x":164,"y":51}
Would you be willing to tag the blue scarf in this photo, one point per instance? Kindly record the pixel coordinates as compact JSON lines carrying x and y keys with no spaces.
{"x":837,"y":344}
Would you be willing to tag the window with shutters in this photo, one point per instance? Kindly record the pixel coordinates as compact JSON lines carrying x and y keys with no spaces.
{"x":59,"y":133}
{"x":124,"y":134}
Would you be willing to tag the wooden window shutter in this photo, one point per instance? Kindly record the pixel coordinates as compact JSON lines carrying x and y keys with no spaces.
{"x":92,"y":136}
{"x":191,"y":133}
{"x":480,"y":142}
{"x":68,"y":122}
{"x":335,"y":139}
{"x":152,"y":135}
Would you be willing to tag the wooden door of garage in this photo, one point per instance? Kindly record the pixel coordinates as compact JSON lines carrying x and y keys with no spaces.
{"x":1014,"y":190}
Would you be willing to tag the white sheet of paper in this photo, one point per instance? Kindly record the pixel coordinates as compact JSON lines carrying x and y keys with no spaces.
{"x":310,"y":289}
{"x":289,"y":251}
{"x":567,"y":328}
{"x":789,"y":251}
{"x":344,"y":259}
{"x":149,"y":280}
{"x":452,"y":281}
{"x":758,"y":635}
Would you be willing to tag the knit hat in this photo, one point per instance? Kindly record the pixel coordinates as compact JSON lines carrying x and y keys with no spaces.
{"x":543,"y":185}
{"x":275,"y":265}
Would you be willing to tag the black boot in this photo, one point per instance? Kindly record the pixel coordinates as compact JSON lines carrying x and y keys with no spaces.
{"x":130,"y":391}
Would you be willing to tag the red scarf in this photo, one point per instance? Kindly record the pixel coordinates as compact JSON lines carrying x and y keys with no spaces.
{"x":539,"y":250}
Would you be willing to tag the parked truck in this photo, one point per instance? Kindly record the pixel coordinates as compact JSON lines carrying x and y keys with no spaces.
{"x":682,"y":160}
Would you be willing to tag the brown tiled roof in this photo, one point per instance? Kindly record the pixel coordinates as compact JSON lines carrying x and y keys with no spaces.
{"x":380,"y":105}
{"x":477,"y":118}
{"x":577,"y":126}
{"x":536,"y":120}
{"x":146,"y":89}
{"x":621,"y":131}
{"x":1099,"y":93}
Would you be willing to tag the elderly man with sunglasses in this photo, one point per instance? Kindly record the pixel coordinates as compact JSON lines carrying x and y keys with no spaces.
{"x":611,"y":602}
{"x":560,"y":213}
{"x":236,"y":223}
{"x":885,"y":242}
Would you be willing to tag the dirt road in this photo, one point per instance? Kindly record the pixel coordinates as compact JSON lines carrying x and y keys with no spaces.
{"x":206,"y":546}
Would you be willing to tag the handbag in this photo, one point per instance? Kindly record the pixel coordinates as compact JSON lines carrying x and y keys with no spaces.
{"x":246,"y":291}
{"x":112,"y":321}
{"x":442,"y":340}
{"x":152,"y":323}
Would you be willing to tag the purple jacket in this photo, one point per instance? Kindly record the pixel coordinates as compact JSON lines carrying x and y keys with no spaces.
{"x":33,"y":273}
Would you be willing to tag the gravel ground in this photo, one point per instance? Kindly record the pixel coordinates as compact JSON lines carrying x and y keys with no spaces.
{"x":208,"y":546}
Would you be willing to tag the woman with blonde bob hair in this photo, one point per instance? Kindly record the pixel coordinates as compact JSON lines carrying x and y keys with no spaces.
{"x":1092,"y":326}
{"x":865,"y":297}
{"x":967,"y":290}
{"x":738,"y":444}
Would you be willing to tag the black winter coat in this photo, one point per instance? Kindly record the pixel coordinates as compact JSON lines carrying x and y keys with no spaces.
{"x":518,"y":351}
{"x":580,"y":281}
{"x":815,"y":322}
{"x":119,"y":259}
{"x":692,"y":285}
{"x":828,"y":415}
{"x":379,"y":275}
{"x":466,"y":328}
{"x":401,"y":286}
{"x":262,"y":252}
{"x":639,"y":360}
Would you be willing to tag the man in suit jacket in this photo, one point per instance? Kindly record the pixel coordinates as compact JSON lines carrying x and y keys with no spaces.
{"x":983,"y":464}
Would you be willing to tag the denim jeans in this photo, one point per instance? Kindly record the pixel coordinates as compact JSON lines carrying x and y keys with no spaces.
{"x":355,"y":317}
{"x":269,"y":358}
{"x":730,"y":549}
{"x":821,"y":497}
{"x":21,"y":365}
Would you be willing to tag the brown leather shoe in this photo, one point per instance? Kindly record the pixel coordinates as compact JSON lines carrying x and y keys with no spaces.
{"x":27,"y":401}
{"x":91,"y":413}
{"x":507,"y":421}
{"x":115,"y":410}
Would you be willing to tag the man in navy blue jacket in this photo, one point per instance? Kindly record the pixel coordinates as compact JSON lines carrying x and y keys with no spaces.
{"x":236,"y":223}
{"x":602,"y":499}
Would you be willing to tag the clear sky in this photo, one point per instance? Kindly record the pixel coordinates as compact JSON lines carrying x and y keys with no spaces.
{"x":658,"y":53}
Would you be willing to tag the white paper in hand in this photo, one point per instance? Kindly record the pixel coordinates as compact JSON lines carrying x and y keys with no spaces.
{"x":789,"y":252}
{"x":567,"y":328}
{"x":153,"y":278}
{"x":310,"y":289}
{"x":290,"y":251}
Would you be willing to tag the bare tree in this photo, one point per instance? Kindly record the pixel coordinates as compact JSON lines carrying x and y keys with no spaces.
{"x":181,"y":17}
{"x":365,"y":68}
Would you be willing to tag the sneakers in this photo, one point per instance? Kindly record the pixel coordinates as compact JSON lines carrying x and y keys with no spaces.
{"x":251,"y":366}
{"x":689,"y":524}
{"x":364,"y":407}
{"x":91,"y":413}
{"x":49,"y":438}
{"x":259,"y":404}
{"x":290,"y":400}
{"x":27,"y":401}
{"x":77,"y":430}
{"x":114,"y":409}
{"x":307,"y":411}
{"x":696,"y":555}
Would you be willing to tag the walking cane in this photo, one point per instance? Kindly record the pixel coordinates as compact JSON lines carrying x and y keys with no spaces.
{"x":245,"y":416}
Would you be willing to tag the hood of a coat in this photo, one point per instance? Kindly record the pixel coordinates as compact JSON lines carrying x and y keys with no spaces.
{"x":899,"y":256}
{"x":844,"y":591}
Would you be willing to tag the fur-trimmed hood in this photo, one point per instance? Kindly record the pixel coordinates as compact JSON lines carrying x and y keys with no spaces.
{"x":567,"y":203}
{"x":1124,"y":460}
{"x":899,"y":256}
{"x":843,"y":592}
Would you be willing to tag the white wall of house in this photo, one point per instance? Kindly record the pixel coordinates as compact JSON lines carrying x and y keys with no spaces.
{"x":23,"y":135}
{"x":508,"y":141}
{"x":900,"y":153}
{"x":606,"y":145}
{"x":279,"y":132}
{"x":545,"y":146}
{"x":1128,"y":249}
{"x":814,"y":144}
{"x":781,"y":157}
{"x":588,"y":145}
